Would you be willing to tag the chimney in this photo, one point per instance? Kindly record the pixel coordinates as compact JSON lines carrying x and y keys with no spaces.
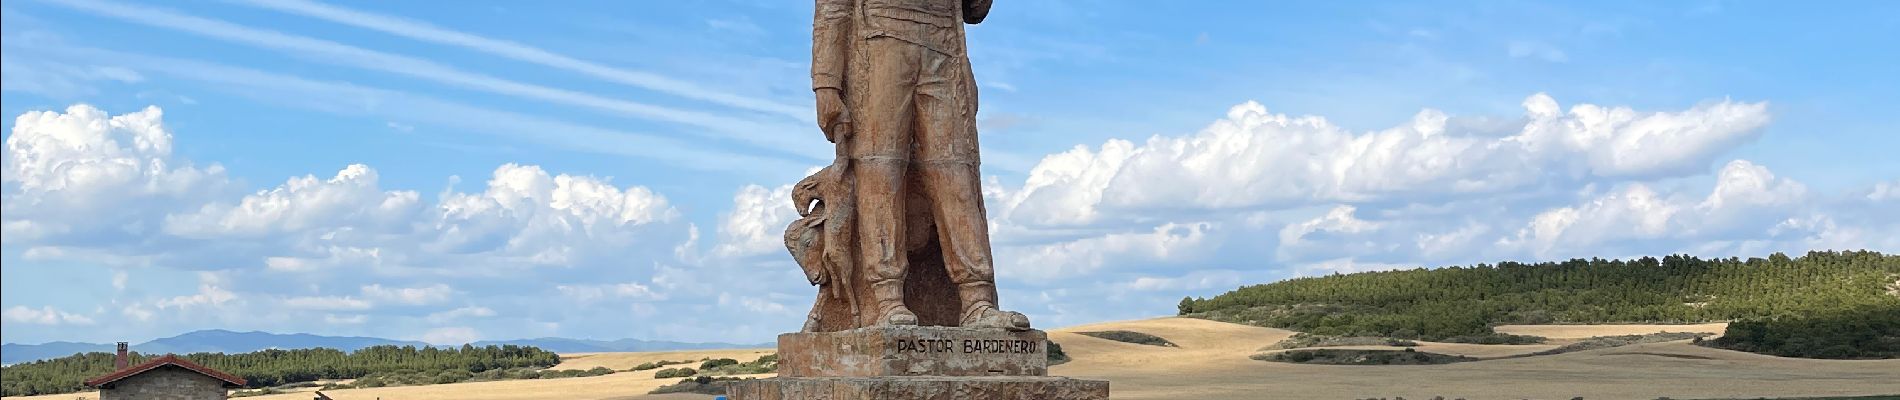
{"x":118,"y":363}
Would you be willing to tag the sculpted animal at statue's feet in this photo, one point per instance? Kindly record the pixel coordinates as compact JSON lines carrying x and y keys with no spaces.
{"x":987,"y":316}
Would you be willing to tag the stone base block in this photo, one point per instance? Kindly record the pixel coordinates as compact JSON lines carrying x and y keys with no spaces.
{"x":921,"y":388}
{"x":913,"y":351}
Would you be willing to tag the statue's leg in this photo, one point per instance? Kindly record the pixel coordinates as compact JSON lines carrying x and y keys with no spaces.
{"x":882,"y":107}
{"x":947,"y":150}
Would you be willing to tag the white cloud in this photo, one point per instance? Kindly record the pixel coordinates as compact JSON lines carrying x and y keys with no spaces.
{"x":592,"y":293}
{"x":352,"y":319}
{"x":1340,"y":220}
{"x":454,"y":335}
{"x":1195,"y":280}
{"x":1747,"y":200}
{"x":1636,"y":212}
{"x":1438,"y":245}
{"x":1253,"y":158}
{"x":1251,"y":198}
{"x":1171,"y":242}
{"x":751,"y":304}
{"x":343,"y":230}
{"x":459,"y":313}
{"x":419,"y":295}
{"x":350,"y":200}
{"x":1538,"y":50}
{"x":423,"y":31}
{"x":1345,"y":266}
{"x":81,"y":174}
{"x":61,"y":81}
{"x":321,"y":257}
{"x":137,"y":311}
{"x":1337,"y":232}
{"x":338,"y":303}
{"x":1884,"y":191}
{"x":547,"y":220}
{"x":118,"y":279}
{"x":724,"y":126}
{"x":46,"y":315}
{"x":211,"y":293}
{"x":756,"y":223}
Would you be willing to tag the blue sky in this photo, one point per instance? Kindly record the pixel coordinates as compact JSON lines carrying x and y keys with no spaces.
{"x":497,"y":170}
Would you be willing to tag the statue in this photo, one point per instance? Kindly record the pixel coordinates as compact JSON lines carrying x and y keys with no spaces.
{"x":893,"y":231}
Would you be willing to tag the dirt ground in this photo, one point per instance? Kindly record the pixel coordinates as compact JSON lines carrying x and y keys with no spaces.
{"x":1212,"y":363}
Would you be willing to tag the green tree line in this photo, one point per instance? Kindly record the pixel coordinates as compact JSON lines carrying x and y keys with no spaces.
{"x":1465,"y":301}
{"x":276,"y":367}
{"x":1863,"y":332}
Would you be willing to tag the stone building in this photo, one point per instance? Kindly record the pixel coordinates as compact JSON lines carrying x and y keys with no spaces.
{"x":163,"y":378}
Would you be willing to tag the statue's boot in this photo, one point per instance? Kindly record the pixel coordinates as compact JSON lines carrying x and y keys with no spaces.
{"x":889,"y":294}
{"x":979,"y":308}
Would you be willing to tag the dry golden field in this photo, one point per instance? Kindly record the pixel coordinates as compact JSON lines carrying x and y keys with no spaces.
{"x":1212,"y":363}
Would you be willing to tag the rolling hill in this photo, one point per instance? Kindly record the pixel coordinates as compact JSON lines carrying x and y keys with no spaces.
{"x":224,"y":341}
{"x":1844,"y":302}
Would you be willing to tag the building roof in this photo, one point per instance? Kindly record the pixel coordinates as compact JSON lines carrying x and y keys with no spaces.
{"x":168,"y":359}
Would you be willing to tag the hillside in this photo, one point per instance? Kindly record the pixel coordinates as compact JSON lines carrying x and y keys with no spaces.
{"x":1212,"y":361}
{"x":204,"y":341}
{"x":230,"y":342}
{"x":564,"y":345}
{"x":276,"y":367}
{"x":1463,"y":303}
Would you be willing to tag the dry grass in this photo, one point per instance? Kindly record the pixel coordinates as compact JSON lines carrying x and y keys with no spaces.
{"x":624,"y":361}
{"x":1212,"y":362}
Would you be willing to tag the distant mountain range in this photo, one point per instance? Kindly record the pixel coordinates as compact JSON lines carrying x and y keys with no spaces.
{"x":223,"y":341}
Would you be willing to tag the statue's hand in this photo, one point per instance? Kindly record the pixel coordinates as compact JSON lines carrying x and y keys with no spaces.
{"x":833,"y":117}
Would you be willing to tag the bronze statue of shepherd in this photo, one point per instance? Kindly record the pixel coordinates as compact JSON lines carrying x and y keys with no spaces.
{"x":894,"y":231}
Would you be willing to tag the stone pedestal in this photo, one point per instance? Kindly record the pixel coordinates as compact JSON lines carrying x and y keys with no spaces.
{"x":916,"y":362}
{"x":921,"y":388}
{"x":914,"y":351}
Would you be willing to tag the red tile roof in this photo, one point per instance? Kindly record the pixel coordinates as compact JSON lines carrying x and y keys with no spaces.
{"x":168,"y":359}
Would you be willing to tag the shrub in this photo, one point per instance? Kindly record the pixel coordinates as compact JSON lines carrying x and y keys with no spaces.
{"x":710,"y":364}
{"x":655,"y":365}
{"x":451,"y":376}
{"x":1871,"y":331}
{"x":726,"y":366}
{"x":1131,"y":337}
{"x":674,"y":373}
{"x":258,"y":392}
{"x":1361,"y":357}
{"x":701,"y":385}
{"x":1304,"y":340}
{"x":1604,"y":342}
{"x":1056,"y":356}
{"x":1495,"y":338}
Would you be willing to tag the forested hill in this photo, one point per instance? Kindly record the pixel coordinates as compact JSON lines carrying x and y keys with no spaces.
{"x":276,"y":367}
{"x":1455,"y":302}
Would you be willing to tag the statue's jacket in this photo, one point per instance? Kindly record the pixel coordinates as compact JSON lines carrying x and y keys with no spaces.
{"x":936,"y":25}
